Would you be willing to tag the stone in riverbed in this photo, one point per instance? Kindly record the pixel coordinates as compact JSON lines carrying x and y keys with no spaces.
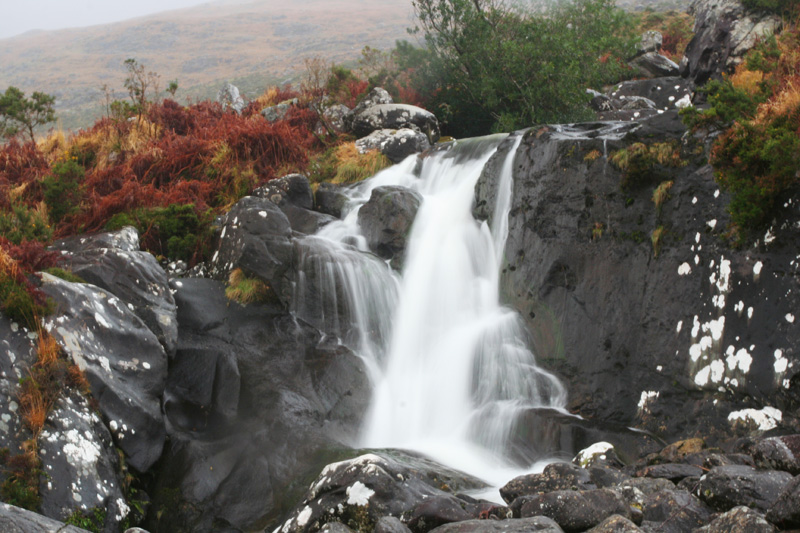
{"x":555,"y":476}
{"x":726,"y":487}
{"x":386,"y":220}
{"x":573,"y":510}
{"x":738,"y":520}
{"x":785,"y":512}
{"x":539,"y":524}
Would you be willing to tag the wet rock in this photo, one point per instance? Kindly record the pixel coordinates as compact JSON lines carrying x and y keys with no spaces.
{"x":292,"y":189}
{"x":615,"y":524}
{"x":738,"y":520}
{"x":256,"y":237}
{"x":716,"y":459}
{"x":573,"y":510}
{"x":664,"y":93}
{"x":648,"y":485}
{"x":394,"y":144}
{"x":201,"y":303}
{"x":726,"y":487}
{"x":673,"y":472}
{"x":395,"y":117}
{"x":113,"y":261}
{"x":123,"y":360}
{"x":555,"y":476}
{"x":361,"y":491}
{"x":540,"y":524}
{"x":677,"y":451}
{"x":80,"y":465}
{"x":330,"y":200}
{"x":785,"y":512}
{"x":16,"y":520}
{"x":391,"y":524}
{"x":386,"y":220}
{"x":723,"y":33}
{"x":675,"y":511}
{"x":779,"y":453}
{"x":229,"y":97}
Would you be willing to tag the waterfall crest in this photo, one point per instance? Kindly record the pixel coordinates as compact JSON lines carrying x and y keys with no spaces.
{"x":451,"y":367}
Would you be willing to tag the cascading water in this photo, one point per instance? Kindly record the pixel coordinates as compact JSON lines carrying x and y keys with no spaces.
{"x":450,"y":366}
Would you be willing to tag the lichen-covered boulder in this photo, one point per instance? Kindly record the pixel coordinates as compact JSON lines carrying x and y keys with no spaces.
{"x":738,"y":520}
{"x":256,"y":236}
{"x":361,"y":491}
{"x":113,"y":261}
{"x":726,"y":487}
{"x":555,"y":476}
{"x":779,"y":453}
{"x":123,"y":360}
{"x":675,"y":511}
{"x":662,"y":94}
{"x":723,"y":32}
{"x":376,"y":96}
{"x":654,"y":65}
{"x":278,"y":111}
{"x":386,"y":220}
{"x":538,"y":524}
{"x":573,"y":510}
{"x":785,"y":511}
{"x":615,"y":524}
{"x":394,"y":144}
{"x":80,"y":465}
{"x":395,"y":117}
{"x":228,"y":96}
{"x":293,"y":195}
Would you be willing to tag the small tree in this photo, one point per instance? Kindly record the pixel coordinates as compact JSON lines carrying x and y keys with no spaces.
{"x":138,"y":82}
{"x":20,"y":113}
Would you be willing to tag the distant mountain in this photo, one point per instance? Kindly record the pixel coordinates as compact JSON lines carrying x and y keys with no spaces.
{"x":252,"y":44}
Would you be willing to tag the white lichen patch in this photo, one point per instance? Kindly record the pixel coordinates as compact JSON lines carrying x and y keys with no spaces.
{"x":781,"y":363}
{"x":304,"y":516}
{"x":766,"y":418}
{"x":679,"y":327}
{"x":712,"y":223}
{"x":789,"y":318}
{"x":757,"y":268}
{"x":596,"y":451}
{"x":685,"y":269}
{"x":359,"y":494}
{"x":646,"y":398}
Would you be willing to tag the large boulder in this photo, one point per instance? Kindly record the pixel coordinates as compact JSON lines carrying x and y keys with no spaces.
{"x":361,"y":491}
{"x":256,"y":399}
{"x":785,"y":511}
{"x":386,"y":220}
{"x":113,"y":261}
{"x":653,"y":65}
{"x":640,"y":99}
{"x":573,"y":510}
{"x":726,"y":487}
{"x":229,"y":98}
{"x":538,"y":524}
{"x":779,"y":453}
{"x":293,"y":195}
{"x":395,"y":117}
{"x":674,"y":511}
{"x":123,"y":360}
{"x":723,"y":32}
{"x":330,"y":200}
{"x":256,"y":237}
{"x":394,"y":144}
{"x":738,"y":520}
{"x":555,"y":476}
{"x":376,"y":96}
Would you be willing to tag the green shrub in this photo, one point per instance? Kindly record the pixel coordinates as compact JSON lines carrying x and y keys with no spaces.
{"x":92,"y":520}
{"x":726,"y":105}
{"x":23,"y":223}
{"x":62,"y":189}
{"x":65,"y":275}
{"x":780,"y":7}
{"x":639,"y":162}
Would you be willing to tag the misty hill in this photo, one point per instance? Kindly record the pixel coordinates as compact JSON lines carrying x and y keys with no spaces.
{"x":252,"y":44}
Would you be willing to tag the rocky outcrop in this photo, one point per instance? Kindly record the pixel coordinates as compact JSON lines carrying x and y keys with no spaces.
{"x":123,"y":360}
{"x":394,"y":144}
{"x":114,"y":262}
{"x":723,"y":32}
{"x":688,"y":347}
{"x":386,"y":220}
{"x":228,"y":96}
{"x":279,"y":111}
{"x":640,"y":99}
{"x":16,"y":520}
{"x":395,"y":117}
{"x":293,"y":195}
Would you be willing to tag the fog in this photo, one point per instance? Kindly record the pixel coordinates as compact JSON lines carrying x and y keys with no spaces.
{"x":23,"y":16}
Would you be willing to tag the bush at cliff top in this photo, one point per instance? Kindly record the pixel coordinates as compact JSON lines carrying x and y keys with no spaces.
{"x":773,"y":6}
{"x":495,"y":67}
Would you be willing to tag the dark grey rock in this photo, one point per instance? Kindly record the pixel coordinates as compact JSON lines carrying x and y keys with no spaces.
{"x":716,"y":459}
{"x":17,"y":355}
{"x":555,"y":476}
{"x":391,"y":524}
{"x":664,"y":92}
{"x":654,"y":65}
{"x":330,"y":200}
{"x":361,"y":491}
{"x":333,"y":118}
{"x":779,"y":453}
{"x":80,"y":465}
{"x":726,"y":487}
{"x":292,"y":189}
{"x":540,"y":524}
{"x":675,"y":511}
{"x":615,"y":524}
{"x":738,"y":520}
{"x":229,"y":97}
{"x":16,"y":520}
{"x":394,"y":144}
{"x":201,"y":303}
{"x":395,"y":117}
{"x":256,"y":237}
{"x":673,"y":472}
{"x":785,"y":511}
{"x":113,"y":261}
{"x":124,"y":363}
{"x":723,"y":33}
{"x":386,"y":219}
{"x":573,"y":510}
{"x":279,"y":111}
{"x":648,"y":485}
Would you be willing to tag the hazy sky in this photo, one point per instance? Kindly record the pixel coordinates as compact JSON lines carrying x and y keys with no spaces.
{"x":19,"y":16}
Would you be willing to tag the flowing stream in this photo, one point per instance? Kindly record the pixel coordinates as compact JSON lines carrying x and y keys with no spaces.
{"x":451,"y":367}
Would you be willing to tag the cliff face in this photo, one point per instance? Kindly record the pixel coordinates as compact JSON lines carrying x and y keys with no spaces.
{"x":685,"y":336}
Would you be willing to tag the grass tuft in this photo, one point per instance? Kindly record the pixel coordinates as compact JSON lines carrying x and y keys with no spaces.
{"x":246,"y":290}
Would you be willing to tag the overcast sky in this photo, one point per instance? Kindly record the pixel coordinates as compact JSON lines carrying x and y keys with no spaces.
{"x":19,"y":16}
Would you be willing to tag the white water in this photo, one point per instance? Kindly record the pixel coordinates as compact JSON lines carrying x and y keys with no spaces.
{"x":451,"y":367}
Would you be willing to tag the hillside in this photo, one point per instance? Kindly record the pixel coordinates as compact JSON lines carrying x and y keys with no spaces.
{"x":252,"y":44}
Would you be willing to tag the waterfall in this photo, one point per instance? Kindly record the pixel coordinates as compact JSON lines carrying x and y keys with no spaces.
{"x":450,"y":365}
